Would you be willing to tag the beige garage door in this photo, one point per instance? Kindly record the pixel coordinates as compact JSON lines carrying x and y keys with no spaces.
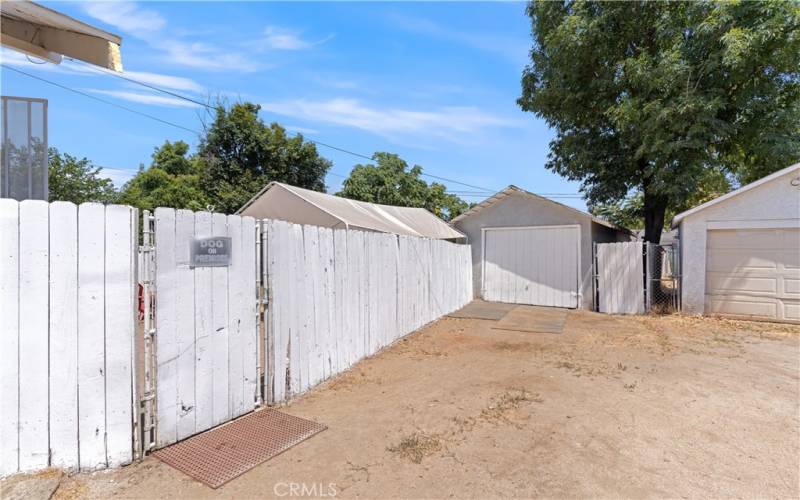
{"x":532,"y":265}
{"x":754,"y":272}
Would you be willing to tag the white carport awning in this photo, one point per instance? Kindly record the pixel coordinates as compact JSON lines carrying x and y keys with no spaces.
{"x":46,"y":34}
{"x":303,"y":206}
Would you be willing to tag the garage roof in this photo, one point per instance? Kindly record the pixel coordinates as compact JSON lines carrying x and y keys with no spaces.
{"x":514,"y":189}
{"x":747,"y":187}
{"x":44,"y":33}
{"x":280,"y":201}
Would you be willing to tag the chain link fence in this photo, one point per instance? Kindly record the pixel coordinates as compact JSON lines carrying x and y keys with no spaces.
{"x":662,"y":284}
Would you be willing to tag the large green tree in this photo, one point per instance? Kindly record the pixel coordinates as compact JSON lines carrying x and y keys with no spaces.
{"x":391,"y":182}
{"x":241,"y":154}
{"x":76,"y":180}
{"x":647,"y":96}
{"x":172,"y":180}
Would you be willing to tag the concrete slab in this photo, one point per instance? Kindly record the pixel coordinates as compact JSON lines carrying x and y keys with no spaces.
{"x":38,"y":486}
{"x":534,"y":319}
{"x":480,"y":309}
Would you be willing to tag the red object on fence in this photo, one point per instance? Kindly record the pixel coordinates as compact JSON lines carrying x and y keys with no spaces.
{"x":141,"y":302}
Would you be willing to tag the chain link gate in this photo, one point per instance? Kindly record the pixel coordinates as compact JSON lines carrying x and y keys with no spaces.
{"x":663,"y":291}
{"x":636,"y":277}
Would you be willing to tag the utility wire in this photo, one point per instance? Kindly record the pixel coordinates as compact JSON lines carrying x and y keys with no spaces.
{"x":481,"y":193}
{"x":314,"y":141}
{"x":90,"y":96}
{"x":144,"y":84}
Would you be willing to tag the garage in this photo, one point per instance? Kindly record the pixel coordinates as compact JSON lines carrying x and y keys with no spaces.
{"x":754,"y":272}
{"x":740,"y":253}
{"x":528,"y":249}
{"x":532,"y":265}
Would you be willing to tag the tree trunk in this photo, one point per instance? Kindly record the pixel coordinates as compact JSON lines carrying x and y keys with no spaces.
{"x":655,"y":206}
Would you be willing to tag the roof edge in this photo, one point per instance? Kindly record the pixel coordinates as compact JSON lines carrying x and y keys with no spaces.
{"x":291,"y":189}
{"x":747,"y":187}
{"x":514,"y":189}
{"x":255,"y":197}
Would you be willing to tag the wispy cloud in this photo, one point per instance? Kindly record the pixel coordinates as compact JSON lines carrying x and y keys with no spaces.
{"x":118,"y":176}
{"x":278,"y":38}
{"x":172,"y":82}
{"x":126,"y":16}
{"x":300,"y":130}
{"x":166,"y":81}
{"x":141,"y":22}
{"x":514,"y":49}
{"x":335,"y":83}
{"x":146,"y":98}
{"x":447,"y":122}
{"x":206,"y":56}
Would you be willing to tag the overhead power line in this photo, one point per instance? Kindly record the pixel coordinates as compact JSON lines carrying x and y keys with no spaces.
{"x":314,"y":141}
{"x":144,"y":84}
{"x":99,"y":99}
{"x":482,"y":191}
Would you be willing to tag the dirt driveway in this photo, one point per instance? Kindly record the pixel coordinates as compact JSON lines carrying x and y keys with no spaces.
{"x":612,"y":407}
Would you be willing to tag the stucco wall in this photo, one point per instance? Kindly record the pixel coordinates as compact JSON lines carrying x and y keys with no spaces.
{"x":519,"y":209}
{"x":773,"y":204}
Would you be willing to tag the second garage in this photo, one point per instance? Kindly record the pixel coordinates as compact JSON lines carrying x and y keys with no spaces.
{"x":527,"y":249}
{"x":740,"y":252}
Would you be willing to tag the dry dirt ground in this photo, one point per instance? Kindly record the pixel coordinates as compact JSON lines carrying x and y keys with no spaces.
{"x":613,"y":407}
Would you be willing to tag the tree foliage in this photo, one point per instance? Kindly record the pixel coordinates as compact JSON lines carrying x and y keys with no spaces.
{"x":241,"y":154}
{"x":648,"y":96}
{"x":629,"y":212}
{"x":172,"y":180}
{"x":78,"y":181}
{"x":391,"y":182}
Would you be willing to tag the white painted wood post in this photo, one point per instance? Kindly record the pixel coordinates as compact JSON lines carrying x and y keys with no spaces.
{"x":33,"y":326}
{"x":184,"y":282}
{"x":119,"y":329}
{"x":64,"y":334}
{"x":9,"y":336}
{"x":166,"y":344}
{"x":91,"y":336}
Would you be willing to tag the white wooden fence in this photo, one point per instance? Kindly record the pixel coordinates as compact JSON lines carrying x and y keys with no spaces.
{"x":69,"y":356}
{"x":206,"y":325}
{"x":620,"y":277}
{"x":67,"y":321}
{"x":336,"y":296}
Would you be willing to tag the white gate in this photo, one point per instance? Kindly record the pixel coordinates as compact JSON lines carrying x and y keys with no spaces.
{"x":619,"y":270}
{"x":206,"y":328}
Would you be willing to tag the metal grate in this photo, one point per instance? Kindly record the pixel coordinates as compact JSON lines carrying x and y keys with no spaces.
{"x":224,"y":453}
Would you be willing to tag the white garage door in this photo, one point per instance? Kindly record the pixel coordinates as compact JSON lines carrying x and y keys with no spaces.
{"x":754,"y":272}
{"x":532,"y":265}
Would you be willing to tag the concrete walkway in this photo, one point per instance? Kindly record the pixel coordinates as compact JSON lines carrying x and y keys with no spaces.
{"x":517,"y":318}
{"x":534,"y":319}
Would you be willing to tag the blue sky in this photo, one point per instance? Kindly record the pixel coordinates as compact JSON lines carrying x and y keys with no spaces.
{"x":434,"y":82}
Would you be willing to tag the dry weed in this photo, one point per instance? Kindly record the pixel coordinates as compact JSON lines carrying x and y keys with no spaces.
{"x":417,"y":446}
